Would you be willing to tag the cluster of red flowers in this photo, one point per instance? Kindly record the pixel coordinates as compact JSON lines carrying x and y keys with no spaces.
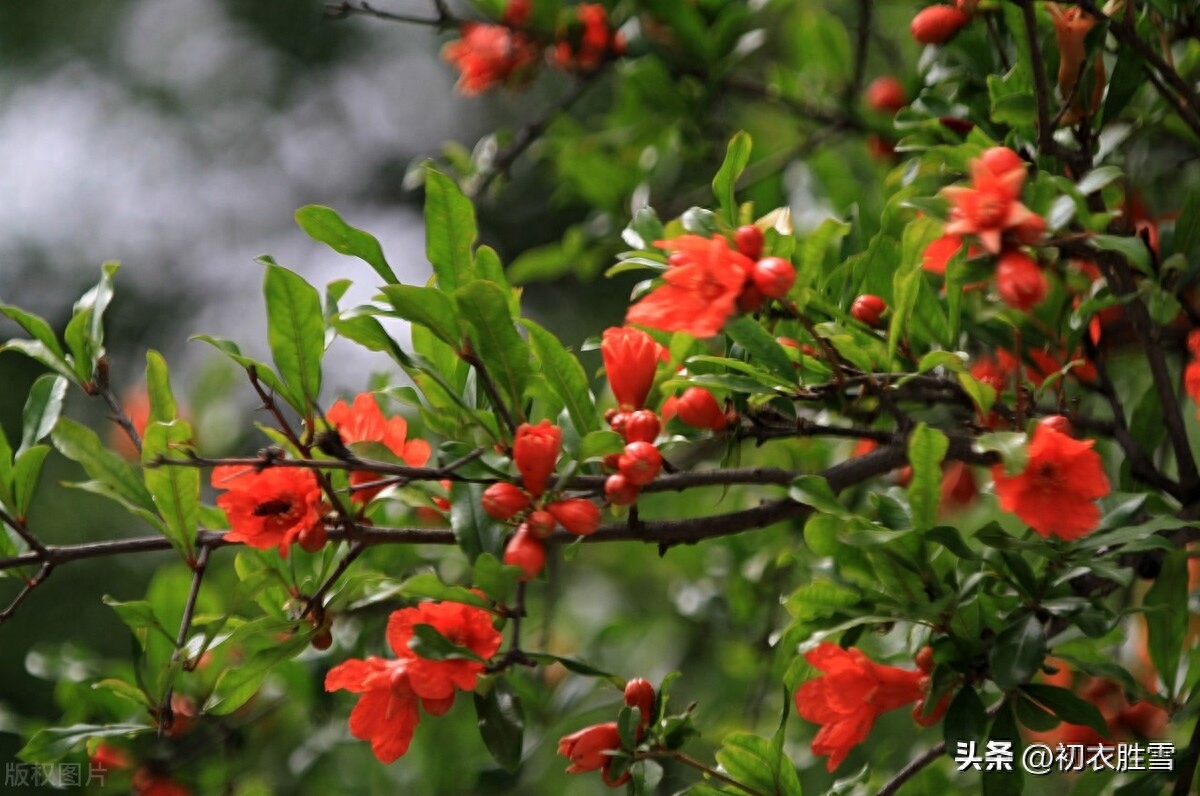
{"x":393,"y":691}
{"x":508,"y":53}
{"x":535,"y":453}
{"x":853,"y":691}
{"x":631,"y":359}
{"x":594,"y":748}
{"x":990,"y":211}
{"x":706,"y":282}
{"x":1056,"y":492}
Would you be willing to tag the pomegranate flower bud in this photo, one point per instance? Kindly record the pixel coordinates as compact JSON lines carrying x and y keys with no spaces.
{"x":697,"y":407}
{"x":640,"y":463}
{"x":504,"y":501}
{"x":937,"y":24}
{"x":1020,"y":281}
{"x":586,"y":748}
{"x":535,"y":452}
{"x":578,"y":516}
{"x":526,"y":551}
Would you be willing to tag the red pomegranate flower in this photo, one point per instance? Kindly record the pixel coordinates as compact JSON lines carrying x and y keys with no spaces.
{"x":848,"y":697}
{"x":700,"y":288}
{"x":487,"y":56}
{"x":630,"y":359}
{"x":990,"y":206}
{"x":1056,"y":492}
{"x":1191,"y":380}
{"x":387,"y":713}
{"x":364,"y":422}
{"x":1020,"y":280}
{"x":465,"y":625}
{"x":269,"y":508}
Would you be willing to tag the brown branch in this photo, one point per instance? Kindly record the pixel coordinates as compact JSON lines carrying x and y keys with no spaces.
{"x":926,"y":758}
{"x":21,"y":528}
{"x":443,"y":20}
{"x":165,"y":715}
{"x":1041,"y":95}
{"x":30,"y":585}
{"x":861,"y":47}
{"x":356,"y":549}
{"x":100,"y":386}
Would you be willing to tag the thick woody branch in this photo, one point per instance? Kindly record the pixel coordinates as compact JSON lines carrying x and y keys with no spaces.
{"x":443,"y":19}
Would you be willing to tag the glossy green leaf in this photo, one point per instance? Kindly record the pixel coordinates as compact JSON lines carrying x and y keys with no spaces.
{"x":429,"y":586}
{"x":6,"y":475}
{"x":26,"y":473}
{"x":42,"y":409}
{"x":1132,"y":249}
{"x":236,"y":686}
{"x":81,"y":444}
{"x":38,"y":352}
{"x":751,"y":760}
{"x":926,"y":449}
{"x":1017,"y":652}
{"x":36,"y":326}
{"x":54,"y":743}
{"x":449,"y":231}
{"x":324,"y":225}
{"x":966,"y":719}
{"x":475,"y":531}
{"x":1166,"y":622}
{"x":175,"y":490}
{"x":1004,"y":782}
{"x":501,"y":723}
{"x":428,"y":307}
{"x":565,"y":376}
{"x":493,"y":578}
{"x":295,"y":333}
{"x":495,"y":339}
{"x":813,"y":490}
{"x":1065,"y":705}
{"x":125,"y":690}
{"x":762,"y":347}
{"x":158,"y":389}
{"x":724,"y":184}
{"x":263,"y":371}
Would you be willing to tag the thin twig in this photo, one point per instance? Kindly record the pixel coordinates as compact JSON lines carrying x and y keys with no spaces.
{"x":21,"y":528}
{"x":929,"y":756}
{"x":485,"y":381}
{"x":30,"y":585}
{"x":345,"y":9}
{"x":356,"y":549}
{"x":708,"y":771}
{"x":165,"y":715}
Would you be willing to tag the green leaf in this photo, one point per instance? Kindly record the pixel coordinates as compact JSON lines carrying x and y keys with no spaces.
{"x":52,"y":744}
{"x":158,"y":388}
{"x":36,"y":326}
{"x":262,"y":370}
{"x":724,"y":184}
{"x":501,"y":723}
{"x":85,"y":331}
{"x":6,"y":476}
{"x":813,"y":490}
{"x":495,"y":340}
{"x":475,"y":531}
{"x":175,"y":490}
{"x":38,"y":352}
{"x":1132,"y":249}
{"x":428,"y":307}
{"x":324,"y":225}
{"x":492,"y":577}
{"x":1097,"y":179}
{"x":140,"y":618}
{"x":80,"y":444}
{"x":1018,"y":652}
{"x":751,"y":760}
{"x":598,"y":444}
{"x":1068,"y":707}
{"x":575,"y":667}
{"x":1166,"y":621}
{"x":926,"y":449}
{"x":430,"y":644}
{"x":1005,"y":782}
{"x":126,"y":690}
{"x":427,"y":585}
{"x":236,"y":686}
{"x":26,"y":473}
{"x":565,"y":375}
{"x":42,"y":408}
{"x":489,"y":268}
{"x":449,"y":231}
{"x":966,"y":719}
{"x":750,"y":335}
{"x":296,"y":334}
{"x":1128,"y":76}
